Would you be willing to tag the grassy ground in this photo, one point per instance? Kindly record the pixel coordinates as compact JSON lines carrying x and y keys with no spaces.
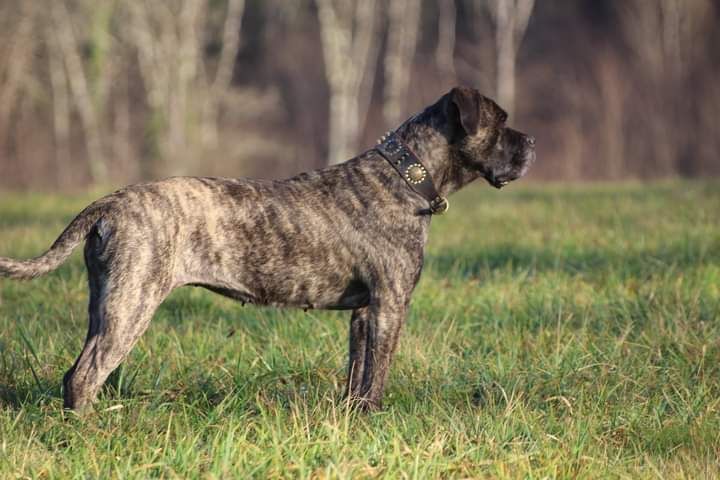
{"x":557,"y":332}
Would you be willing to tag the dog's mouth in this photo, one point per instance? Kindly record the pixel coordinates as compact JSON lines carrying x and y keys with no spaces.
{"x":497,"y":183}
{"x":521,"y":165}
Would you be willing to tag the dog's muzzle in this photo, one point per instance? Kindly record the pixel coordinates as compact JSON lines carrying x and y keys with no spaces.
{"x":519,"y":164}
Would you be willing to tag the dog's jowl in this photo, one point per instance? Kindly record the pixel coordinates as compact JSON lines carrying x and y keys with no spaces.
{"x":350,"y":236}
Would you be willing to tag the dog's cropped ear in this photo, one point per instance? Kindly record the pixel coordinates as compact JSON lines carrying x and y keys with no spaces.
{"x":464,"y":103}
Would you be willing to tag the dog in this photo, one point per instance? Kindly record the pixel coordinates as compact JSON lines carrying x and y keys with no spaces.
{"x":349,"y":237}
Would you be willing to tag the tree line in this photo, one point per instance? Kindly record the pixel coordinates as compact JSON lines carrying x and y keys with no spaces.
{"x":124,"y":90}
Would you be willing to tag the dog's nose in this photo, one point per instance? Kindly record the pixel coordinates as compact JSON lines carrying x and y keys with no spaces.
{"x":530,"y":140}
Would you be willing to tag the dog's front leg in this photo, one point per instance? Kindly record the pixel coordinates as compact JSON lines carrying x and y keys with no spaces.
{"x":358,"y":345}
{"x":382,"y":324}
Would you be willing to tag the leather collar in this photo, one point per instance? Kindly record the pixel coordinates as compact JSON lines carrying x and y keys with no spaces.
{"x":411,"y":169}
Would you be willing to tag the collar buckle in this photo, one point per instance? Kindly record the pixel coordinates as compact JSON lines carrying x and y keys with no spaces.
{"x":439,"y":205}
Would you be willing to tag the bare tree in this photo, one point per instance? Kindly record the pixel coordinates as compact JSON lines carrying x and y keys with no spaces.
{"x":170,"y":46}
{"x":445,"y":51}
{"x":511,"y":19}
{"x":666,"y":36}
{"x":60,"y":104}
{"x":612,"y":95}
{"x":17,"y":54}
{"x":349,"y":45}
{"x":220,"y":84}
{"x":403,"y":28}
{"x":87,"y":109}
{"x":124,"y":153}
{"x":166,"y":43}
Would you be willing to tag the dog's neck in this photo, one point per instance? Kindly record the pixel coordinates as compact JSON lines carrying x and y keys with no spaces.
{"x":433,"y":149}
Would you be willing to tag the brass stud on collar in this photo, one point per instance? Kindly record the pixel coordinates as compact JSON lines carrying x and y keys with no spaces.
{"x":393,"y":146}
{"x":415,"y":173}
{"x":384,"y":137}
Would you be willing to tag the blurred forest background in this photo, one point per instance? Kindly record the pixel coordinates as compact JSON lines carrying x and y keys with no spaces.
{"x":115,"y":91}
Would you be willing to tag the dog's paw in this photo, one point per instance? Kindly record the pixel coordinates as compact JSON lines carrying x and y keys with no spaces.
{"x":363,"y":404}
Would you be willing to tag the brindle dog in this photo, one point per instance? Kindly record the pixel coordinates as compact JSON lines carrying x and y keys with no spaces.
{"x":350,"y":236}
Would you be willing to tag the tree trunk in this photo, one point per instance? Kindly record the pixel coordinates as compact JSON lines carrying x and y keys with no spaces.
{"x":349,"y":45}
{"x":60,"y":107}
{"x":74,"y":68}
{"x":511,"y":18}
{"x":224,"y":72}
{"x":505,"y":44}
{"x":445,"y":51}
{"x":18,"y":58}
{"x":403,"y":28}
{"x":170,"y":50}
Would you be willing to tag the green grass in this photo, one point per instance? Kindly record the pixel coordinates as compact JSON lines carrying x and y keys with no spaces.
{"x":557,"y":332}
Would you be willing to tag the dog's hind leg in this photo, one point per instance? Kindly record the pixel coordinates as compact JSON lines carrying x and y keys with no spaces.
{"x":121,"y":307}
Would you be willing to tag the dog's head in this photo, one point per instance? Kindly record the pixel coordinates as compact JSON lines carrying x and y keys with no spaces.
{"x":479,"y":139}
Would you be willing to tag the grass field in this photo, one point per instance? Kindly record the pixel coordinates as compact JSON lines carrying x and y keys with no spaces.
{"x":556,"y":333}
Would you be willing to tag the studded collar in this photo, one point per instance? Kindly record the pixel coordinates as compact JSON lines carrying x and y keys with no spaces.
{"x":408,"y":165}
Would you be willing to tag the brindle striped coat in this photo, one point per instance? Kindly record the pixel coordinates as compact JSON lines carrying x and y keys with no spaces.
{"x":344,"y":237}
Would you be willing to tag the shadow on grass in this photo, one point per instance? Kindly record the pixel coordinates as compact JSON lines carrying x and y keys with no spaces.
{"x":465,"y":264}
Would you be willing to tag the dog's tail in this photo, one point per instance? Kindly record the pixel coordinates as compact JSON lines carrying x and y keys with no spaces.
{"x":61,"y":249}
